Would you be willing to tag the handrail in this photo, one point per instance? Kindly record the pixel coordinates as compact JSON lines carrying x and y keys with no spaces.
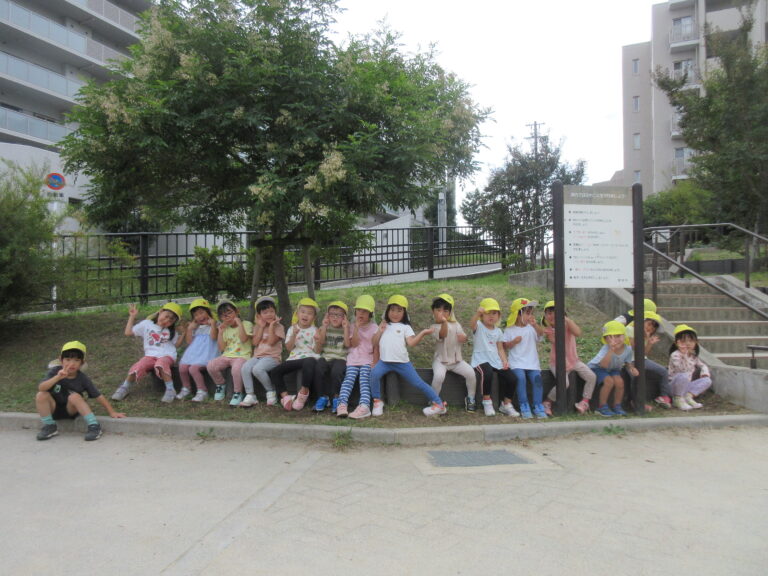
{"x":707,"y":225}
{"x":707,"y":282}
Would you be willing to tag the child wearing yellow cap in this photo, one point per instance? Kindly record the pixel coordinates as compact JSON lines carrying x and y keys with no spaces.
{"x":333,"y":341}
{"x":235,"y":345}
{"x":607,"y":364}
{"x":651,"y":327}
{"x":361,"y":357}
{"x":61,"y":394}
{"x":160,"y":339}
{"x":268,"y":336}
{"x":202,"y":336}
{"x":689,"y":375}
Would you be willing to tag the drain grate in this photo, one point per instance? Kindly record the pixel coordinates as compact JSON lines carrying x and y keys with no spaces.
{"x":469,"y":458}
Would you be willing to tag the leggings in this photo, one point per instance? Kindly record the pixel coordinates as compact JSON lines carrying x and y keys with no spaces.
{"x":407,"y":372}
{"x":439,"y":370}
{"x":363,"y":373}
{"x":307,"y":367}
{"x":584,"y":372}
{"x":662,"y":374}
{"x":260,"y":368}
{"x":216,"y":369}
{"x":682,"y":384}
{"x":485,"y":377}
{"x":196,"y":372}
{"x":332,"y":385}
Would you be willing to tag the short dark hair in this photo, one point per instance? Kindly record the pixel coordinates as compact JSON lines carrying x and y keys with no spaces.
{"x":440,"y":304}
{"x":264,"y":305}
{"x":73,"y":353}
{"x":225,"y":307}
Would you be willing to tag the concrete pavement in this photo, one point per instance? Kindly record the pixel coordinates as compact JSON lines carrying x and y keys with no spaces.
{"x":676,"y":502}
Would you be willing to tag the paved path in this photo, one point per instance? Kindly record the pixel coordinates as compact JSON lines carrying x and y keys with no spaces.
{"x":672,"y":502}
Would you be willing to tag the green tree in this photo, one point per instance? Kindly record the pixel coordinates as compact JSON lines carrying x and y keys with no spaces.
{"x":726,"y":123}
{"x":684,"y":203}
{"x":243,"y":113}
{"x":518,"y":196}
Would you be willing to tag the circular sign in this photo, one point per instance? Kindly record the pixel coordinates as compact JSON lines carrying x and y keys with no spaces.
{"x":55,"y":181}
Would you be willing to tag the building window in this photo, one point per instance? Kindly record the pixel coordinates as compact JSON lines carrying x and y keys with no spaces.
{"x":636,"y":67}
{"x":635,"y":103}
{"x":682,"y":68}
{"x":636,"y":177}
{"x":636,"y":140}
{"x":682,"y":29}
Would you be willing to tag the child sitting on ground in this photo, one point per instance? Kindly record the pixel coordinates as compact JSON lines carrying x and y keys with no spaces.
{"x":521,"y":337}
{"x":268,"y":336}
{"x":202,"y":347}
{"x":607,"y":365}
{"x":333,"y":340}
{"x":361,"y":358}
{"x":651,"y":324}
{"x":60,"y":395}
{"x":688,"y":374}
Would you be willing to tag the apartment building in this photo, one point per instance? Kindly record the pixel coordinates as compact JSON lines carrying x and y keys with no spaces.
{"x":655,"y":155}
{"x":48,"y":50}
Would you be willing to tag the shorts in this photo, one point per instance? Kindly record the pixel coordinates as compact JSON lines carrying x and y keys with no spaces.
{"x":601,"y":373}
{"x":148,"y":364}
{"x":61,"y":413}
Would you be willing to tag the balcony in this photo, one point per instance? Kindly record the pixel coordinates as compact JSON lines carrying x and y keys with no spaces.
{"x":106,"y":19}
{"x":27,"y":129}
{"x":683,"y":38}
{"x":690,"y":74}
{"x":681,"y":168}
{"x":674,"y":127}
{"x":37,"y":76}
{"x":111,"y":12}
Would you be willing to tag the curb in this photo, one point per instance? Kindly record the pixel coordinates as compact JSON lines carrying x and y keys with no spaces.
{"x":207,"y":429}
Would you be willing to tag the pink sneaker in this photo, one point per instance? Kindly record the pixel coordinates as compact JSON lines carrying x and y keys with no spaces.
{"x":547,"y":407}
{"x":300,"y":400}
{"x":582,"y":406}
{"x":362,"y":411}
{"x":341,"y":411}
{"x":287,"y":402}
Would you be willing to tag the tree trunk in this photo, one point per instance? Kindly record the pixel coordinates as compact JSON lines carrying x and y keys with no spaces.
{"x":281,"y":284}
{"x":305,"y":252}
{"x":255,"y":283}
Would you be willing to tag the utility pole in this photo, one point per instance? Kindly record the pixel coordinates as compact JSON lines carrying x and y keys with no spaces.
{"x":538,"y":240}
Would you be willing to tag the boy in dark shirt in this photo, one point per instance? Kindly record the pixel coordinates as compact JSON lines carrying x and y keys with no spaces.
{"x":60,"y":395}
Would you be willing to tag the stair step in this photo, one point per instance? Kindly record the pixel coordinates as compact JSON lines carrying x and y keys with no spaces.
{"x":755,"y":328}
{"x":678,"y":314}
{"x":672,"y":287}
{"x":739,"y":359}
{"x":731,"y":344}
{"x":695,"y":300}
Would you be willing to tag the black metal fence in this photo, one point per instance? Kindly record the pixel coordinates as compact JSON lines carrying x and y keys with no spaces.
{"x":100,"y":268}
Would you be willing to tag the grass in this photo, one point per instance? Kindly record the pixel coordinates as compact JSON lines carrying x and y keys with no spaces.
{"x":30,"y":343}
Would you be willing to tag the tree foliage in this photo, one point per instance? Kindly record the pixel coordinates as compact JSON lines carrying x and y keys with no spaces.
{"x":684,"y":203}
{"x":237,"y":114}
{"x":726,"y":123}
{"x":518,"y":196}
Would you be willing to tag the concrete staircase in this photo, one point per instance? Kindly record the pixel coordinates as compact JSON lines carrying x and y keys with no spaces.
{"x":724,"y":327}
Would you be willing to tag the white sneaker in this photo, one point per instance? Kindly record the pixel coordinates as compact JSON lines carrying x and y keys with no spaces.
{"x":248,"y":401}
{"x":168,"y":396}
{"x":221,"y":391}
{"x":183,"y":393}
{"x":488,"y":408}
{"x":378,"y":408}
{"x":237,"y":397}
{"x":120,"y":393}
{"x":435,"y":409}
{"x":200,"y":396}
{"x":508,"y":409}
{"x":271,"y":398}
{"x":689,"y":399}
{"x":680,"y":403}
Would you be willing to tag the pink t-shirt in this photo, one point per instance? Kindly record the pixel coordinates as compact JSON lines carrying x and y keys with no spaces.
{"x":571,"y":355}
{"x":264,"y":350}
{"x":362,"y":354}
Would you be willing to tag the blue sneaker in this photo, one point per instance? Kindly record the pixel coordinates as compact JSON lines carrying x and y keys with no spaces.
{"x":605,"y":410}
{"x":321,"y":404}
{"x":618,"y":410}
{"x":334,"y":404}
{"x":539,"y":411}
{"x":525,"y":411}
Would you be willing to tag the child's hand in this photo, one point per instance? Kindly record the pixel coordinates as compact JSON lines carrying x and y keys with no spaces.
{"x":326,"y":320}
{"x":516,"y":340}
{"x":345,"y":323}
{"x":549,"y":331}
{"x":192,"y":325}
{"x":261,"y":322}
{"x":204,"y":322}
{"x":237,"y":322}
{"x":276,"y":321}
{"x":505,"y":364}
{"x":481,"y":310}
{"x":132,"y":310}
{"x":62,"y":374}
{"x":430,"y":330}
{"x":383,"y":325}
{"x":634,"y":371}
{"x":117,"y":415}
{"x":653,"y":339}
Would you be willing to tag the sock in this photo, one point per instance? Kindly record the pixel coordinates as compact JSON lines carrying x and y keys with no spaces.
{"x":90,"y":419}
{"x":169,"y":385}
{"x":48,"y":420}
{"x":471,"y":399}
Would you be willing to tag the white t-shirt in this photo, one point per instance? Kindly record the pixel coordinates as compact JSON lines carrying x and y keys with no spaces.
{"x":484,"y":349}
{"x":524,"y":354}
{"x":157,"y":341}
{"x":392,"y":345}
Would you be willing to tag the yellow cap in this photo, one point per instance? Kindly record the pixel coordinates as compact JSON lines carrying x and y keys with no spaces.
{"x":652,"y":316}
{"x":398,"y":300}
{"x":365,"y":302}
{"x":490,"y":305}
{"x":200,"y":303}
{"x":648,"y":306}
{"x":447,"y":297}
{"x":547,"y":306}
{"x":171,"y":307}
{"x":73,"y":345}
{"x":306,"y":301}
{"x":684,"y":328}
{"x":516,"y":306}
{"x":613,"y":328}
{"x":339,"y":304}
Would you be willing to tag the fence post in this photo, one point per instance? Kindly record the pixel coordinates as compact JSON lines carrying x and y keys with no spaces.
{"x":430,"y":253}
{"x":747,"y":263}
{"x":316,"y":269}
{"x":681,"y":272}
{"x":144,"y":268}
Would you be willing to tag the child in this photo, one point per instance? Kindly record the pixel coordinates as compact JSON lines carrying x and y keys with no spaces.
{"x":60,"y":395}
{"x":392,"y":337}
{"x":607,"y":365}
{"x":651,"y":322}
{"x":300,"y":343}
{"x":450,"y":336}
{"x":202,"y":347}
{"x":361,"y":358}
{"x":160,"y":338}
{"x":333,"y":339}
{"x":268,"y":336}
{"x":234,"y":343}
{"x":488,"y":357}
{"x":520,"y":339}
{"x":629,"y":316}
{"x":689,"y":375}
{"x":572,"y":361}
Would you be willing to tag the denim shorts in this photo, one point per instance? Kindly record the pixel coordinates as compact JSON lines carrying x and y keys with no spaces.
{"x":601,"y":373}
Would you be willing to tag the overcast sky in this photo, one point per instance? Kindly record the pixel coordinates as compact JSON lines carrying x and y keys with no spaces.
{"x":555,"y":62}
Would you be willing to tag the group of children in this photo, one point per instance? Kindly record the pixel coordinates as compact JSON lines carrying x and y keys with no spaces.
{"x":340,"y":352}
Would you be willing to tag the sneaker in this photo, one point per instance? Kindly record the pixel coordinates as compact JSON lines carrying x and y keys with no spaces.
{"x":525,"y":410}
{"x":248,"y":401}
{"x":47,"y":431}
{"x":183,"y":393}
{"x":680,"y":403}
{"x":378,"y":408}
{"x":582,"y":406}
{"x":469,"y":404}
{"x":606,"y":411}
{"x":435,"y":409}
{"x":691,"y":401}
{"x":547,"y":404}
{"x":334,"y":405}
{"x":94,"y":432}
{"x":508,"y":409}
{"x":540,"y":411}
{"x":120,"y":393}
{"x":321,"y":404}
{"x":221,"y":391}
{"x":341,"y":411}
{"x":169,"y":396}
{"x":271,"y":398}
{"x":237,"y":397}
{"x":663,"y":401}
{"x":299,"y":400}
{"x":488,"y":408}
{"x":362,"y":411}
{"x":287,"y":402}
{"x":618,"y":410}
{"x":200,"y":396}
